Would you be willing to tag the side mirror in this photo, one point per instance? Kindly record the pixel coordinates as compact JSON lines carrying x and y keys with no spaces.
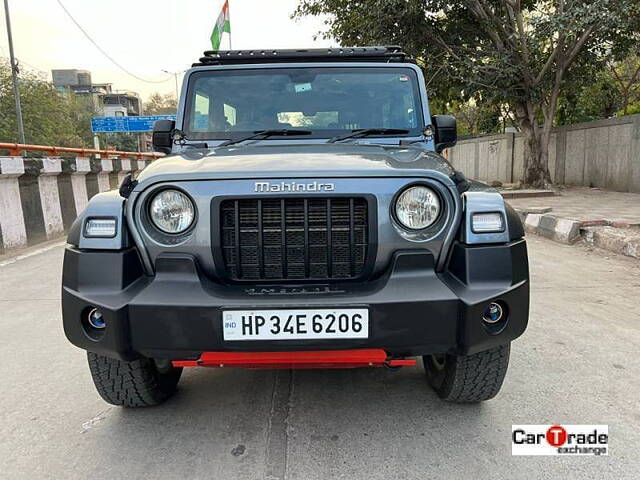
{"x":161,"y":139}
{"x":446,"y":134}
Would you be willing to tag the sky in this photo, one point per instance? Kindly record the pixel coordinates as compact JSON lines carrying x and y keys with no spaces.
{"x":145,"y":36}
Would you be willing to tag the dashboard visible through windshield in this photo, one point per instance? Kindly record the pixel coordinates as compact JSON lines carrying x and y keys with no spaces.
{"x":326,"y":101}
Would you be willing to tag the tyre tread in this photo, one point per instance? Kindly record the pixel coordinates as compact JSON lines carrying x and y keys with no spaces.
{"x":475,"y":378}
{"x":127,"y":384}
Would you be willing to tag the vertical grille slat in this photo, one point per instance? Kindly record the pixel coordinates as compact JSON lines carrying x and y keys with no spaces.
{"x":352,"y":238}
{"x":307,"y":260}
{"x":329,"y":255}
{"x":238,"y":263}
{"x":283,"y":236}
{"x":260,"y":240}
{"x":314,"y":238}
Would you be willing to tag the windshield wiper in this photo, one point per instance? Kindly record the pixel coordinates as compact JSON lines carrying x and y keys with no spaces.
{"x":260,"y":134}
{"x":365,"y":132}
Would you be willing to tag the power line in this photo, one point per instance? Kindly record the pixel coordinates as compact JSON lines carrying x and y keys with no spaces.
{"x":104,"y":52}
{"x":22,"y":62}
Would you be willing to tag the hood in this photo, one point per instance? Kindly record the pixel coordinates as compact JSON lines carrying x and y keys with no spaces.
{"x":296,"y":161}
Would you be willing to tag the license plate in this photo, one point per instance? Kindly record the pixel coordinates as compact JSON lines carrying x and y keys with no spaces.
{"x":295,"y":324}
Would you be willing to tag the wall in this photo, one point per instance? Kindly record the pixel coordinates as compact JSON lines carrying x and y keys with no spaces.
{"x":604,"y":153}
{"x":40,"y":198}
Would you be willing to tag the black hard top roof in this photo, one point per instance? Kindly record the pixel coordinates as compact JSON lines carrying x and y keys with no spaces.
{"x":312,"y":55}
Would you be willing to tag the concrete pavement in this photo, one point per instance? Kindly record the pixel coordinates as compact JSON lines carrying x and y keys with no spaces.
{"x":586,"y":205}
{"x":577,"y":363}
{"x":604,"y":219}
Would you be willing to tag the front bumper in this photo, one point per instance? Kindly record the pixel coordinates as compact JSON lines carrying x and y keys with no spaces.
{"x":413,"y":310}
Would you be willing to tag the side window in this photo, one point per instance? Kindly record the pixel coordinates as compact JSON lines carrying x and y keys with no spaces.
{"x":399,"y":112}
{"x":386,"y":115}
{"x":411,"y":114}
{"x":230,"y":115}
{"x":200,"y":120}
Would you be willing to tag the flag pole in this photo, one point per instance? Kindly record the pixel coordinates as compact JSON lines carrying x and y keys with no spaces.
{"x":229,"y":10}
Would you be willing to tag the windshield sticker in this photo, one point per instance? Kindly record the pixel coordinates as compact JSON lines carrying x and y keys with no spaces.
{"x":302,"y":87}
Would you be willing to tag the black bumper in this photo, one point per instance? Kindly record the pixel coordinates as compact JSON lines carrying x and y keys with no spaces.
{"x":413,"y":310}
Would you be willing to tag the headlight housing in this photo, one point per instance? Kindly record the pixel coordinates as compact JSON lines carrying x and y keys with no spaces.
{"x":418,"y":207}
{"x":171,"y":211}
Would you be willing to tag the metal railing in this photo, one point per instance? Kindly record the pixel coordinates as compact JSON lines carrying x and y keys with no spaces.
{"x":16,"y":149}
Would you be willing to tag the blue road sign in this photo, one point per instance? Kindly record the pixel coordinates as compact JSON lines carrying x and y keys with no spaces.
{"x":126,"y":124}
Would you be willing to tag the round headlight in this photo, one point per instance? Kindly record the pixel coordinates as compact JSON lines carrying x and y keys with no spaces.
{"x":172,"y":211}
{"x":417,"y":207}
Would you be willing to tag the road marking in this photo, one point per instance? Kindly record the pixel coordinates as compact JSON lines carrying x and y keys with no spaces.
{"x":278,"y":425}
{"x":31,"y":254}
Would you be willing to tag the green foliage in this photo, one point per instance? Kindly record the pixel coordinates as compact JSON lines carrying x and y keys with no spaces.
{"x":626,"y":74}
{"x":520,"y":53}
{"x":476,"y":117}
{"x":597,"y":98}
{"x":49,"y":117}
{"x":633,"y":109}
{"x":159,"y":104}
{"x":468,"y":47}
{"x":601,"y":92}
{"x":127,"y":142}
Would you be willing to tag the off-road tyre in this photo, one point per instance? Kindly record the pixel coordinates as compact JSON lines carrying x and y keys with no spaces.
{"x":468,"y":378}
{"x":139,"y":383}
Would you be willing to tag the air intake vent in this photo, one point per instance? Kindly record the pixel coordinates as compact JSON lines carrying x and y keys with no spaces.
{"x":294,"y":238}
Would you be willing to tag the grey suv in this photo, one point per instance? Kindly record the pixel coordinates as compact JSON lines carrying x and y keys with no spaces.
{"x":303,"y":217}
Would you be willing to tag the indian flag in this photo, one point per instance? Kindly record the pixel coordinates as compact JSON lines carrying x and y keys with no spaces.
{"x":223,"y":24}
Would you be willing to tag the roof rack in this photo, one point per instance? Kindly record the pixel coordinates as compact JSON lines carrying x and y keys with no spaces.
{"x":350,"y":54}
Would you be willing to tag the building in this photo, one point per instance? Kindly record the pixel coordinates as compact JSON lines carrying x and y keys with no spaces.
{"x":78,"y":81}
{"x":105,"y":101}
{"x":121,"y":104}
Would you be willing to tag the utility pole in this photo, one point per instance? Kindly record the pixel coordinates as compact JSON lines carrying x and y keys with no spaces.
{"x":14,"y":75}
{"x":175,"y":75}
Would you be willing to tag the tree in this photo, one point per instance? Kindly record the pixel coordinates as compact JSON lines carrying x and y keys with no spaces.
{"x":127,"y":142}
{"x":159,"y":104}
{"x":49,"y":117}
{"x":476,"y":117}
{"x":521,"y":53}
{"x":627,"y":77}
{"x":600,"y":98}
{"x":634,"y":108}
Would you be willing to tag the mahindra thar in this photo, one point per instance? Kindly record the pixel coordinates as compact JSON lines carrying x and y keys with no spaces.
{"x":303,"y":217}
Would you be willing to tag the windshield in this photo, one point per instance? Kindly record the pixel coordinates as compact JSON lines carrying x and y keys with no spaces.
{"x":327,"y":101}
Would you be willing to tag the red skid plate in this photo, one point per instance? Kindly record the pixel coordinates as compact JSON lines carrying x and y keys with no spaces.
{"x":312,"y":359}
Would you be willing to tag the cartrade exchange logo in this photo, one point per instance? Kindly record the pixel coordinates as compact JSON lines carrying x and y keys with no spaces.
{"x":560,"y":440}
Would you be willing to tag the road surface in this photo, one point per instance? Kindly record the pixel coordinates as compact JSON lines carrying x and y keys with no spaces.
{"x":578,"y":363}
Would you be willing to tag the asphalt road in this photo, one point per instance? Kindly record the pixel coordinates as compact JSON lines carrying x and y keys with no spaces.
{"x":577,"y":363}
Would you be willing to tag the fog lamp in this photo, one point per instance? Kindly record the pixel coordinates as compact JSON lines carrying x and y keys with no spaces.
{"x":96,"y":319}
{"x":493,"y":313}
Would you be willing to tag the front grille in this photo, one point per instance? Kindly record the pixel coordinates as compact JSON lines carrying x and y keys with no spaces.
{"x":294,"y":238}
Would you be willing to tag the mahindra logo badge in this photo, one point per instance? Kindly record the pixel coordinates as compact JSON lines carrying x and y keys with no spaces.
{"x":293,"y":187}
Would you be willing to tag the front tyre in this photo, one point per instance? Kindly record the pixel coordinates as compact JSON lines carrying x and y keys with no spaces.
{"x":140,"y":383}
{"x":467,"y":378}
